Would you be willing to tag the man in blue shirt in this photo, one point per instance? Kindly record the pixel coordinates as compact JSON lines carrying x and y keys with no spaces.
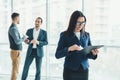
{"x":15,"y":45}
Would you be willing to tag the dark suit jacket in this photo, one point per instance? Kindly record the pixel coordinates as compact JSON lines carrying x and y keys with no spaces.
{"x":42,"y":38}
{"x":73,"y":59}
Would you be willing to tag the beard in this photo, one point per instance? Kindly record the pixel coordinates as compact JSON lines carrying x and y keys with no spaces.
{"x":37,"y":26}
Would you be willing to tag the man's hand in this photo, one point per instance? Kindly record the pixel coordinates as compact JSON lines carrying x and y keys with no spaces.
{"x":34,"y":42}
{"x":26,"y":41}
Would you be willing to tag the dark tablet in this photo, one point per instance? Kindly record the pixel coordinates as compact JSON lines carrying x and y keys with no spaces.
{"x":88,"y":49}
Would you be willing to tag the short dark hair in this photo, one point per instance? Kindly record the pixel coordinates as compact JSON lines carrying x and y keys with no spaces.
{"x":40,"y":19}
{"x":14,"y":15}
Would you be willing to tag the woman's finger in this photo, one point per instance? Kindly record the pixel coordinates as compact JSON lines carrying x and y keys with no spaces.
{"x":96,"y":50}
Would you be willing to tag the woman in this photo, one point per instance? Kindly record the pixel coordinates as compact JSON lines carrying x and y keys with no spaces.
{"x":71,"y":41}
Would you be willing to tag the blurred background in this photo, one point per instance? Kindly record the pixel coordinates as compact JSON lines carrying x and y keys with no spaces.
{"x":103,"y":23}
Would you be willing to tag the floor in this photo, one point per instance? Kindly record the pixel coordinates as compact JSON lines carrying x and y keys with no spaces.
{"x":7,"y":77}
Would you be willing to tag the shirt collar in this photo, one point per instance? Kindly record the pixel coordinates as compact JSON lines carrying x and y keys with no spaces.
{"x":35,"y":29}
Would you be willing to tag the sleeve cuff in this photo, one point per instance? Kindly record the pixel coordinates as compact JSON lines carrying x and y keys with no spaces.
{"x":23,"y":38}
{"x":92,"y":56}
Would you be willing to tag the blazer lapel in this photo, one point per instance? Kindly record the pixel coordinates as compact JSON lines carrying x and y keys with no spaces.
{"x":82,"y":40}
{"x":40,"y":34}
{"x":77,"y":40}
{"x":32,"y":33}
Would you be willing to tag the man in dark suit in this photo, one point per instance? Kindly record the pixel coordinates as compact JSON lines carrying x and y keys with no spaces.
{"x":37,"y":38}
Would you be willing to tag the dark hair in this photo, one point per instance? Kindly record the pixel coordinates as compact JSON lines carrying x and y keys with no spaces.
{"x":72,"y":23}
{"x":40,"y":19}
{"x":14,"y":15}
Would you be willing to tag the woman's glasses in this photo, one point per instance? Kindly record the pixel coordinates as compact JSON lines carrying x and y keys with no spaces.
{"x":80,"y":23}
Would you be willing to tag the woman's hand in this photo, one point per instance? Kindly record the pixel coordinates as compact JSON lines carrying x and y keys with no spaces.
{"x":95,"y":52}
{"x":74,"y":47}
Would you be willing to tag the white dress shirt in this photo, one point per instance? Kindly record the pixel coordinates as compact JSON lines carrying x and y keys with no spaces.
{"x":77,"y":34}
{"x":35,"y":36}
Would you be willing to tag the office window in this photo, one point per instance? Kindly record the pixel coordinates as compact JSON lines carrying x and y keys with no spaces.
{"x":5,"y":12}
{"x":58,"y":17}
{"x":60,"y":12}
{"x":103,"y":24}
{"x":29,"y":11}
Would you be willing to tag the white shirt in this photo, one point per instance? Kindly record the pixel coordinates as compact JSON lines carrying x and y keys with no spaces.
{"x":77,"y":34}
{"x":35,"y":36}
